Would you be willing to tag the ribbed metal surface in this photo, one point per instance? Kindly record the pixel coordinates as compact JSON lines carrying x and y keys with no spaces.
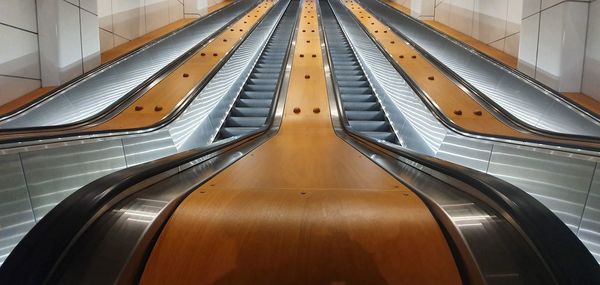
{"x":526,"y":102}
{"x":250,"y":110}
{"x":200,"y":122}
{"x":96,"y":93}
{"x":360,"y":104}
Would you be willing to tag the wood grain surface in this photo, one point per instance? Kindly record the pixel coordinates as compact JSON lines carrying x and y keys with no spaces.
{"x":303,"y":208}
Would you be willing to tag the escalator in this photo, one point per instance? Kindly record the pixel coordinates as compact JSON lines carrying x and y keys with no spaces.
{"x":360,"y":104}
{"x":112,"y":88}
{"x":521,"y":99}
{"x":40,"y":174}
{"x":251,"y":109}
{"x":312,"y":198}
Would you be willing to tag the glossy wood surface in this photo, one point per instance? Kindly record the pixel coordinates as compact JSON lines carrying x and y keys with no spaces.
{"x":303,"y":208}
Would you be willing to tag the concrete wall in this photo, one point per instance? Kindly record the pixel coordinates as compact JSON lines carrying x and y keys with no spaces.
{"x":553,"y":42}
{"x":19,"y":52}
{"x":494,"y":22}
{"x":591,"y":71}
{"x":124,"y":20}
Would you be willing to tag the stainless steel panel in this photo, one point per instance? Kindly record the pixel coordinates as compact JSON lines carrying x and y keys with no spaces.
{"x":467,"y":152}
{"x":16,"y":213}
{"x":589,"y":231}
{"x":98,"y":92}
{"x":560,"y":183}
{"x":54,"y":174}
{"x":144,"y":148}
{"x":201,"y":121}
{"x":523,"y":100}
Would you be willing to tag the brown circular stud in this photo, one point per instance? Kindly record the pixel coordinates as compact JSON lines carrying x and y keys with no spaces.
{"x":314,"y":55}
{"x":316,"y":110}
{"x":431,"y":78}
{"x":186,"y":75}
{"x":401,"y":56}
{"x":301,"y":55}
{"x":139,"y":108}
{"x":224,"y":40}
{"x":312,"y":31}
{"x":414,"y":56}
{"x":478,"y":113}
{"x":241,"y":30}
{"x":245,"y":22}
{"x":457,"y":112}
{"x":308,"y":42}
{"x":376,"y":31}
{"x":304,"y":31}
{"x":202,"y":54}
{"x":385,"y":32}
{"x":392,"y":42}
{"x":297,"y":110}
{"x":158,"y":108}
{"x":302,"y":193}
{"x":215,"y":54}
{"x":307,"y":76}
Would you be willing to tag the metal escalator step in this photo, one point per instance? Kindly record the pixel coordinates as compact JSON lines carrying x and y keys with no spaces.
{"x":361,"y":106}
{"x":260,"y":103}
{"x":386,"y":136}
{"x":245,"y":121}
{"x":260,"y":87}
{"x":365,"y":115}
{"x":356,"y":90}
{"x":233,"y":131}
{"x":348,"y":77}
{"x":257,"y":95}
{"x":249,"y":112}
{"x":353,"y":84}
{"x":359,"y":98}
{"x":370,"y":126}
{"x":261,"y":81}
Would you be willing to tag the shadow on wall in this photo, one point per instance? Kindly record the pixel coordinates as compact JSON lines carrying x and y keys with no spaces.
{"x":11,"y":87}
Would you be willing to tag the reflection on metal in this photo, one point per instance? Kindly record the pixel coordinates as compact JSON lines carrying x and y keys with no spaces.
{"x":16,"y":213}
{"x":55,"y":174}
{"x":54,"y":171}
{"x":560,"y":178}
{"x":522,"y":98}
{"x":99,"y":91}
{"x":589,"y":230}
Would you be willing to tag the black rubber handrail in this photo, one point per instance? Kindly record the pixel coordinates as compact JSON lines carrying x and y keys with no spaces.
{"x":564,"y":253}
{"x":128,"y":98}
{"x":33,"y":259}
{"x":491,"y":105}
{"x":554,"y":139}
{"x":174,"y":114}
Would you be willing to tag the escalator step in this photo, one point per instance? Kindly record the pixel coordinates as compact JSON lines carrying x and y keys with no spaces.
{"x":249,"y":112}
{"x":245,"y":121}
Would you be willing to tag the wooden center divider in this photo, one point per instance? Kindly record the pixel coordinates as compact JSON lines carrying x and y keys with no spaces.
{"x":161,"y":99}
{"x":303,"y":208}
{"x":454,"y":103}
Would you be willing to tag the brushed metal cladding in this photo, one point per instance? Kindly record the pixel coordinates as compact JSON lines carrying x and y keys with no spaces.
{"x":560,"y":183}
{"x":200,"y":122}
{"x":55,"y":174}
{"x":467,"y":152}
{"x":589,"y":231}
{"x":515,"y":94}
{"x":98,"y":92}
{"x":16,"y":213}
{"x":144,"y":148}
{"x":417,"y":128}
